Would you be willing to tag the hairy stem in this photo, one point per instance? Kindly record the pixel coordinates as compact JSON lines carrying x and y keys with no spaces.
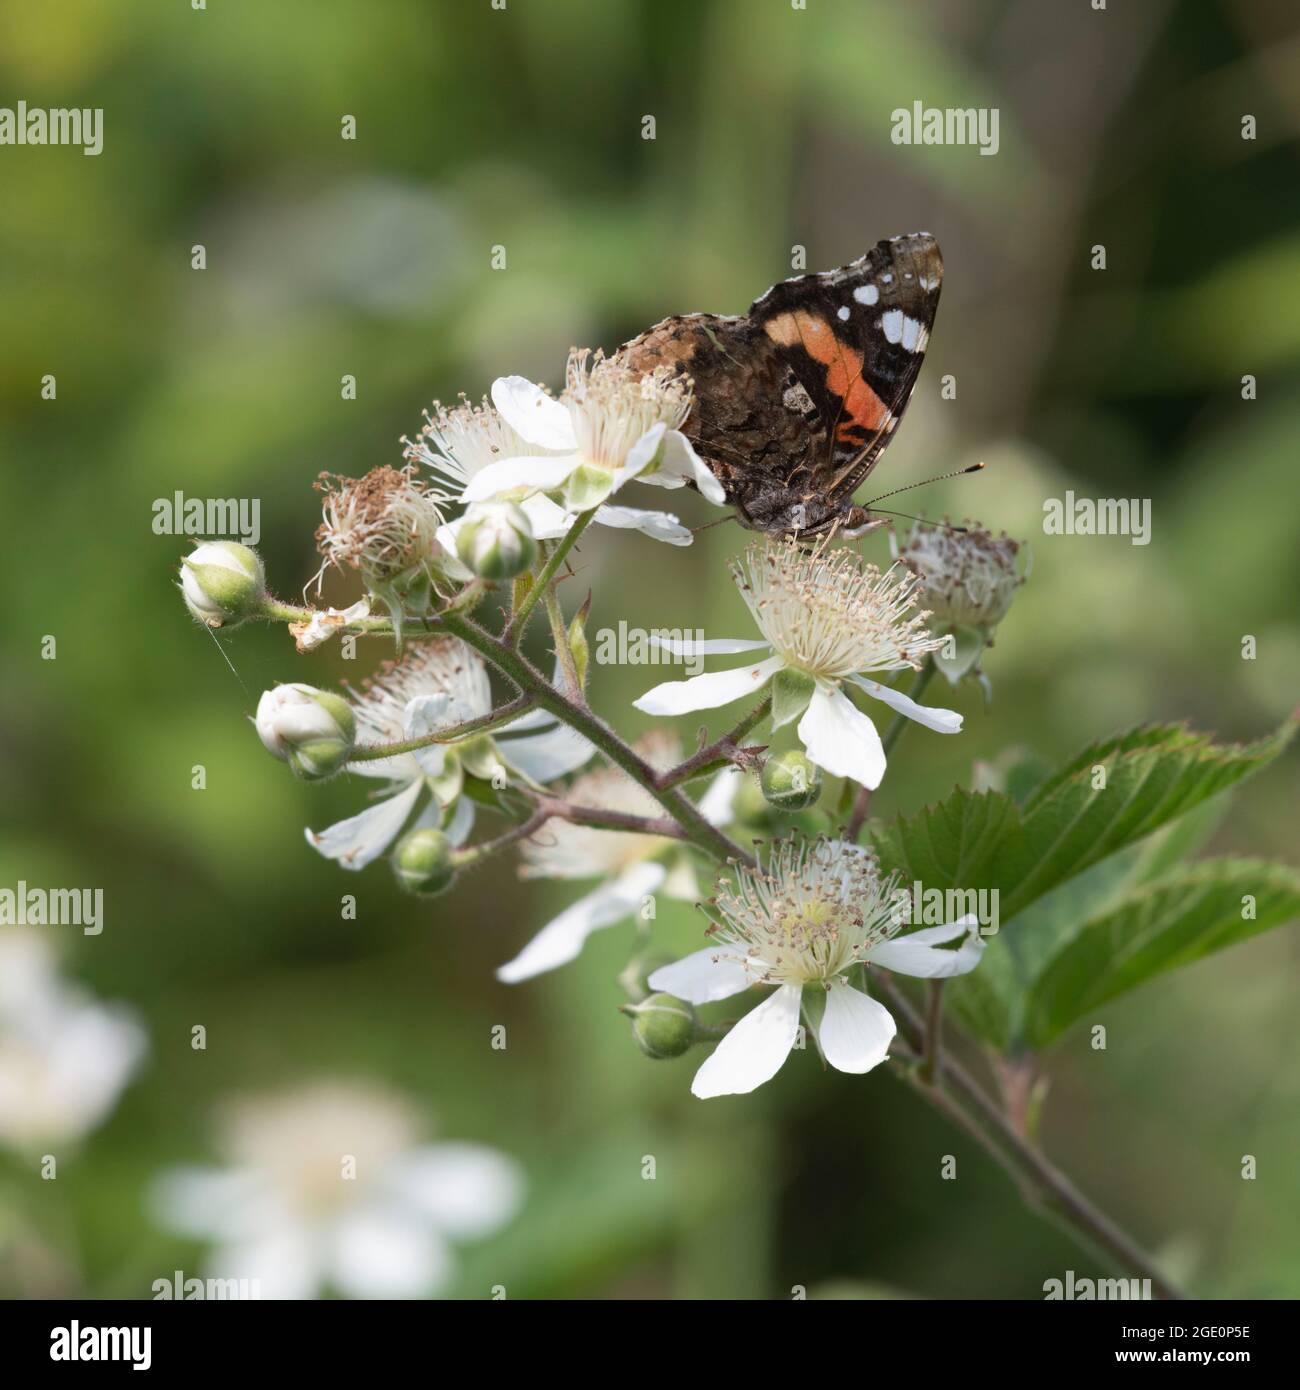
{"x":717,"y":754}
{"x":372,"y":752}
{"x":519,"y":618}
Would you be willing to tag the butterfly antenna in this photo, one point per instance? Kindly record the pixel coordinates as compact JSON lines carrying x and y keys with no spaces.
{"x":925,"y":482}
{"x":709,"y":525}
{"x":941,"y":525}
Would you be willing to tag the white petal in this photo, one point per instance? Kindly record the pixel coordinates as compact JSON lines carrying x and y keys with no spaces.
{"x":942,"y":721}
{"x":284,"y":1259}
{"x":641,"y":453}
{"x":716,"y":972}
{"x":679,"y":460}
{"x":362,"y":838}
{"x":530,"y":412}
{"x":659,"y":526}
{"x":461,"y":823}
{"x":425,"y":715}
{"x":562,"y":939}
{"x":535,"y":473}
{"x":466,"y":1190}
{"x":752,"y":1052}
{"x":549,"y":520}
{"x":855,"y":1031}
{"x":216,"y":1203}
{"x":384,"y":1254}
{"x":706,"y":646}
{"x":918,"y":954}
{"x":716,"y":805}
{"x":840,"y":738}
{"x":707,"y":692}
{"x":554,"y":752}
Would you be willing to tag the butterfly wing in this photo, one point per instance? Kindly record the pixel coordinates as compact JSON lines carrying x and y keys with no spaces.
{"x":854,"y":340}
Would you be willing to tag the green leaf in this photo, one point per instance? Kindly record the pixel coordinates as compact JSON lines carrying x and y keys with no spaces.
{"x":1170,"y":922}
{"x":1152,"y":776}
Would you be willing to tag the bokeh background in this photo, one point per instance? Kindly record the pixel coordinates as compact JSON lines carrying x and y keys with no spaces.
{"x":523,"y":128}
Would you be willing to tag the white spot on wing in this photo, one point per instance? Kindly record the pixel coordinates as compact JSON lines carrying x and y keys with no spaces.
{"x":844,"y":314}
{"x":866,"y":294}
{"x":892,"y":325}
{"x":913,"y":334}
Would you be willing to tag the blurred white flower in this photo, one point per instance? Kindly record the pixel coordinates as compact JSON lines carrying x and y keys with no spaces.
{"x":64,"y":1057}
{"x":329,"y":1188}
{"x":629,"y":864}
{"x":435,"y":685}
{"x":804,"y":919}
{"x":461,"y":443}
{"x":827,"y":617}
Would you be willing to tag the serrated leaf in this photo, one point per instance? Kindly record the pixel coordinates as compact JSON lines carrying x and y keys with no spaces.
{"x":1170,"y":922}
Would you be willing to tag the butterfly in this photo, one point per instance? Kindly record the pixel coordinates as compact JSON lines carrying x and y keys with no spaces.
{"x":795,"y":401}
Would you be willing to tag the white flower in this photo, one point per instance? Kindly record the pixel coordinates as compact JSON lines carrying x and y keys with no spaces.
{"x":435,"y":685}
{"x":328,"y":1188}
{"x":461,"y":444}
{"x":611,"y":425}
{"x":223,"y":583}
{"x":628,"y":863}
{"x":827,"y":617}
{"x":312,"y":730}
{"x":64,"y":1058}
{"x":806,"y":919}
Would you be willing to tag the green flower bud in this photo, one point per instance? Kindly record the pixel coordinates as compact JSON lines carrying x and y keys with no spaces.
{"x":424,"y":862}
{"x":496,"y":540}
{"x":223,"y":583}
{"x":663,"y":1025}
{"x":312,"y":730}
{"x":791,"y":781}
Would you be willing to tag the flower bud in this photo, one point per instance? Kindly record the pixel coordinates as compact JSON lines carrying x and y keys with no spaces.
{"x":662,"y":1025}
{"x":312,"y":730}
{"x":223,"y":582}
{"x":791,"y":781}
{"x":424,"y":862}
{"x":970,"y":576}
{"x":496,"y":540}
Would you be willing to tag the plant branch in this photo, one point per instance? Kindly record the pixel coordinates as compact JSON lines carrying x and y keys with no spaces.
{"x":372,"y":752}
{"x":717,"y":754}
{"x":519,"y":618}
{"x":1051,"y":1190}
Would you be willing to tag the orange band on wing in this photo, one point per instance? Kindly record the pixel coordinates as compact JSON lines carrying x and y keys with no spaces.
{"x":863,"y":409}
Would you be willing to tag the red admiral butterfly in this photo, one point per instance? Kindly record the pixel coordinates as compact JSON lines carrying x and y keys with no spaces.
{"x":795,"y":401}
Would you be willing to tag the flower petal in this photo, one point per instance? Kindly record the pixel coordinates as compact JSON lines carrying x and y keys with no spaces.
{"x":753,"y":1051}
{"x":642,"y":453}
{"x":458,"y":828}
{"x":562,"y":939}
{"x":553,"y":752}
{"x":535,"y":473}
{"x":530,"y":412}
{"x":659,"y":526}
{"x":716,"y":972}
{"x":381,"y":1253}
{"x":716,"y":805}
{"x":549,"y":520}
{"x":706,"y":646}
{"x":466,"y":1190}
{"x":709,"y":691}
{"x":679,"y":463}
{"x":942,"y":721}
{"x":918,"y":953}
{"x":362,"y":838}
{"x":855,"y":1031}
{"x":841,"y":739}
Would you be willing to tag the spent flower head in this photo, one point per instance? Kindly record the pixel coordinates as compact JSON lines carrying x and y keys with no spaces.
{"x":970,"y":576}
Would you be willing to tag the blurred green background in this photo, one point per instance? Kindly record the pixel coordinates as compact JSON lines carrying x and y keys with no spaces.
{"x":522,"y":128}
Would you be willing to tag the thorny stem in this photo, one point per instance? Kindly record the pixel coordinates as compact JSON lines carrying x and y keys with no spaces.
{"x":372,"y":752}
{"x":1039,"y":1179}
{"x":519,"y":619}
{"x":862,"y":805}
{"x":949,"y":1089}
{"x":717,"y":754}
